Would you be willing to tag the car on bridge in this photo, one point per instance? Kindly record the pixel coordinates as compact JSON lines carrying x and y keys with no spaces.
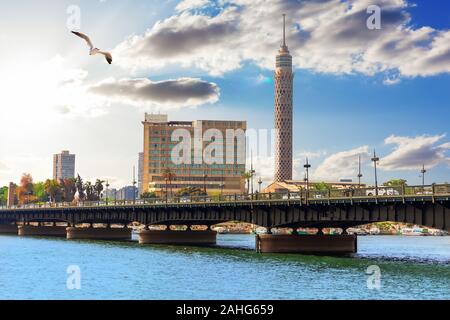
{"x":382,"y":192}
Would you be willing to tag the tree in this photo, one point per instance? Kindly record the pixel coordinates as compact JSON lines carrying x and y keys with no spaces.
{"x":148,"y":195}
{"x":3,"y":196}
{"x":25,"y":189}
{"x":168,"y":176}
{"x":247,"y":175}
{"x":80,"y":188}
{"x":98,"y":188}
{"x":321,"y":186}
{"x":90,"y":192}
{"x":39,"y":192}
{"x":52,"y":188}
{"x":395,"y":183}
{"x":69,"y":189}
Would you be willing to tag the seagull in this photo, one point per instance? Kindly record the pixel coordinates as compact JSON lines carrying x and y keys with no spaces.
{"x":93,"y":51}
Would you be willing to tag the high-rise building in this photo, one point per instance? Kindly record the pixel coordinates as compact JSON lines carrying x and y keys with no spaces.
{"x":283,"y":111}
{"x":128,"y":193}
{"x":140,"y":172}
{"x":63,"y":165}
{"x":216,"y":177}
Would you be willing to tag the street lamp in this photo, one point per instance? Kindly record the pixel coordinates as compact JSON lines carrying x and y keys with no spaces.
{"x":307,"y":166}
{"x":423,"y":171}
{"x":375,"y":159}
{"x":359,"y":172}
{"x":252,"y":172}
{"x":106,"y":194}
{"x":205,"y":176}
{"x":134,"y":184}
{"x":259,"y":183}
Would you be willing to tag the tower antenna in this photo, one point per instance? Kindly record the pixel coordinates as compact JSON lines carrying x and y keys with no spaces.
{"x":284,"y":30}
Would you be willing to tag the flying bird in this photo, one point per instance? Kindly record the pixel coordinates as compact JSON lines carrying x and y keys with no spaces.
{"x":93,"y":51}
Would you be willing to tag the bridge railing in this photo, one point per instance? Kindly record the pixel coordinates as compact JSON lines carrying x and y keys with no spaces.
{"x":300,"y":195}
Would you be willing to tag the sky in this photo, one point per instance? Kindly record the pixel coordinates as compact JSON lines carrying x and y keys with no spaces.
{"x":355,"y":89}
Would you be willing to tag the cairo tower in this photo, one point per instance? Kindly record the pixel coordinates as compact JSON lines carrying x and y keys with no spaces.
{"x":283,"y":111}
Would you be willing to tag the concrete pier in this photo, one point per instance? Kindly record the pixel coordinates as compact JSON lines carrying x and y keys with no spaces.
{"x":188,"y":237}
{"x":98,"y":233}
{"x":8,"y":229}
{"x":46,"y":231}
{"x":313,"y":244}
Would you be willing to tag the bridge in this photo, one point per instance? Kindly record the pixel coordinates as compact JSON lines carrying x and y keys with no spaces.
{"x":422,"y":205}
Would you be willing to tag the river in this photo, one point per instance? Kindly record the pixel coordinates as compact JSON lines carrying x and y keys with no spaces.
{"x":409,"y":268}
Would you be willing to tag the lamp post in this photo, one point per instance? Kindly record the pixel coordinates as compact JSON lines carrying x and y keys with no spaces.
{"x":375,"y":160}
{"x":222,"y":184}
{"x":167,"y":189}
{"x":106,"y":193}
{"x":205,"y":176}
{"x":252,"y":172}
{"x":134,"y":184}
{"x":423,"y":171}
{"x":359,"y":172}
{"x":259,"y":184}
{"x":307,"y":166}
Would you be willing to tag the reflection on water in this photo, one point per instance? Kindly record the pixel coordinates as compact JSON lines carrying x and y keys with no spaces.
{"x":35,"y":268}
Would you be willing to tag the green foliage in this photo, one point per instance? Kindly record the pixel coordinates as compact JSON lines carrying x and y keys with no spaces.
{"x":3,"y":195}
{"x":148,"y":195}
{"x":321,"y":186}
{"x":98,"y":188}
{"x":395,"y":183}
{"x":53,"y":189}
{"x":39,"y":192}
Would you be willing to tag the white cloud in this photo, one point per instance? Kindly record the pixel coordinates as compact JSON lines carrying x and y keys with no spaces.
{"x":327,"y":36}
{"x":191,"y":4}
{"x":175,"y":93}
{"x":341,"y":165}
{"x":411,"y":153}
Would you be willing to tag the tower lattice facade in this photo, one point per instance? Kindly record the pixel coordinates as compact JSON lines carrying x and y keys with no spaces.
{"x":283,"y":112}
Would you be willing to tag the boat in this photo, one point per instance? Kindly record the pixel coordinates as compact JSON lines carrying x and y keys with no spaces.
{"x":415,"y":231}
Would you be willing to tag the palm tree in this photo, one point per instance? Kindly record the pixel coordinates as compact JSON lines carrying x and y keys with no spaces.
{"x":168,"y":176}
{"x":98,"y":187}
{"x":80,"y":188}
{"x":90,"y":195}
{"x":247,"y":175}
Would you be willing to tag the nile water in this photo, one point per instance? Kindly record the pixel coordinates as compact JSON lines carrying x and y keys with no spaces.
{"x":36,"y":268}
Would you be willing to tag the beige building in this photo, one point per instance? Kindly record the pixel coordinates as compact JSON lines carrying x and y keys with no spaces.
{"x":194,"y":171}
{"x":63,"y":166}
{"x":297,"y":185}
{"x":11,"y":195}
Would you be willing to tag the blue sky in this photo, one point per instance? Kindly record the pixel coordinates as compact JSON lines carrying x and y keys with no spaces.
{"x":343,"y":105}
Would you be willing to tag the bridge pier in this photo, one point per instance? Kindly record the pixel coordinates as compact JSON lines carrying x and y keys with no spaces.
{"x":8,"y":229}
{"x":45,"y":231}
{"x":98,"y":233}
{"x":188,"y":237}
{"x":309,"y":244}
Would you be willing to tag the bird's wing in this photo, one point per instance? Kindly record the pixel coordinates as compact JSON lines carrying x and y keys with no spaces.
{"x":107,"y":55}
{"x":85,"y":37}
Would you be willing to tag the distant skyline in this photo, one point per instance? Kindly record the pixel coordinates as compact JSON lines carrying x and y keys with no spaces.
{"x":355,"y":89}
